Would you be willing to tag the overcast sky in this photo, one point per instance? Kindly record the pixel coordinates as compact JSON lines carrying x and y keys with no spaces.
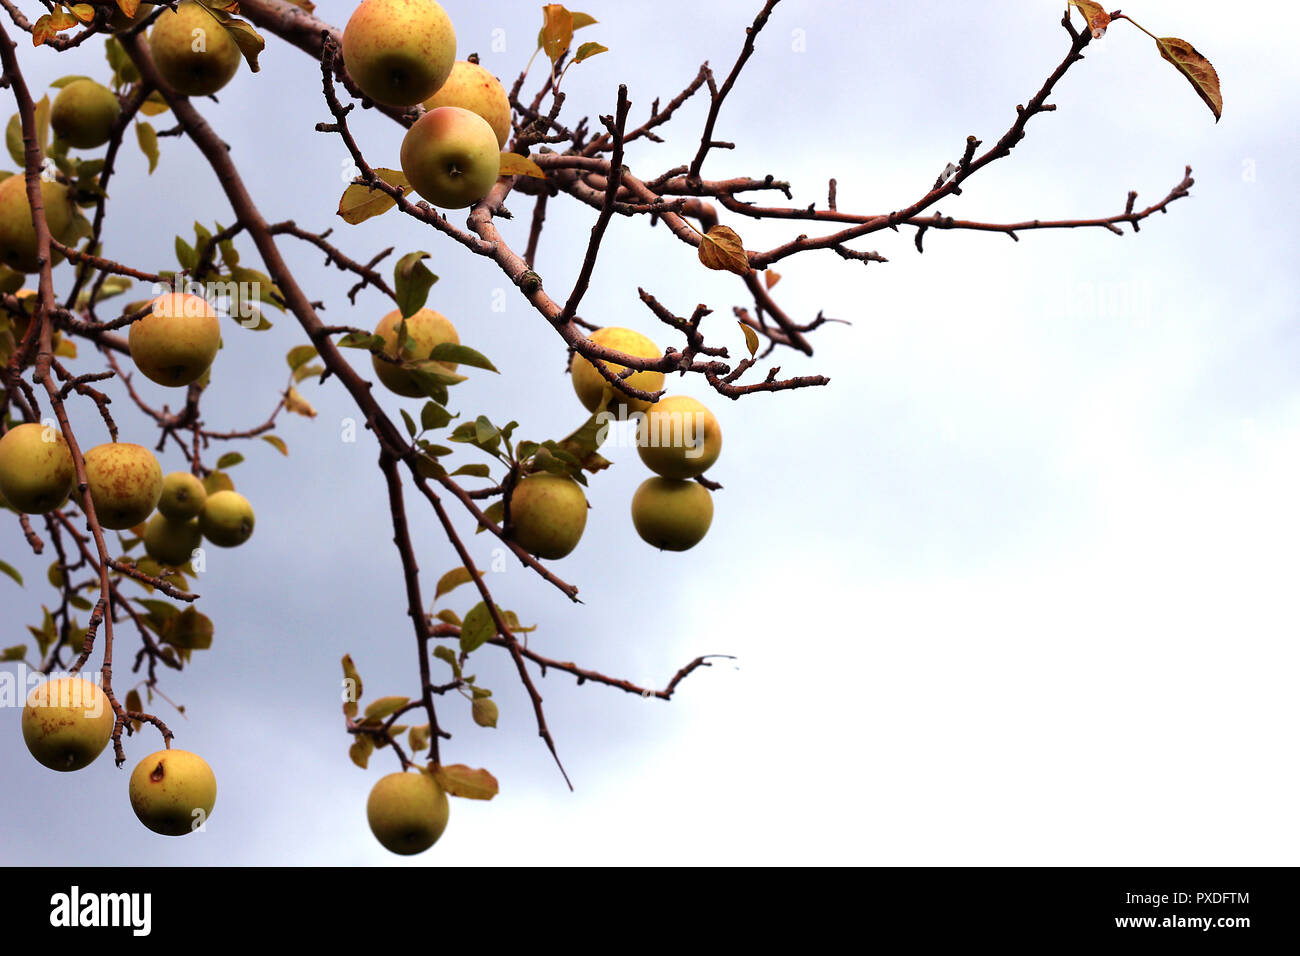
{"x":1017,"y":587}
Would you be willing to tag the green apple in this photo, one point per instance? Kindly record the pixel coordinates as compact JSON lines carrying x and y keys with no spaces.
{"x":475,"y":89}
{"x":451,"y":157}
{"x":672,"y":514}
{"x":548,"y":514}
{"x":193,"y":52}
{"x":17,"y":234}
{"x":425,"y":331}
{"x":399,"y":51}
{"x":84,"y":114}
{"x":407,"y":812}
{"x":173,"y":792}
{"x":590,"y":385}
{"x":125,"y":483}
{"x":679,"y":438}
{"x":67,"y":722}
{"x":36,"y":469}
{"x":226,"y":519}
{"x":175,"y":343}
{"x":172,"y":542}
{"x":182,"y":496}
{"x":119,"y":21}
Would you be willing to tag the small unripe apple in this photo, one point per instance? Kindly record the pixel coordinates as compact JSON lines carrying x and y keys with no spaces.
{"x":175,"y":343}
{"x":67,"y":722}
{"x":671,"y":514}
{"x":473,"y":88}
{"x":407,"y":812}
{"x":17,"y":234}
{"x":193,"y":52}
{"x":548,"y":514}
{"x":172,"y":542}
{"x":226,"y":519}
{"x":451,"y":157}
{"x":125,"y":483}
{"x":425,"y":331}
{"x":173,"y":792}
{"x":182,"y":496}
{"x":679,"y":437}
{"x":399,"y":51}
{"x":590,"y":385}
{"x":84,"y":114}
{"x":36,"y":469}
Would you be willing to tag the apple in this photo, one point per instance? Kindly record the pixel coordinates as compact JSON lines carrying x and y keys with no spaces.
{"x":591,"y":385}
{"x":67,"y":722}
{"x":125,"y":483}
{"x":672,"y":514}
{"x":679,"y":438}
{"x":399,"y":51}
{"x":36,"y":469}
{"x":226,"y":519}
{"x":182,"y":496}
{"x":548,"y":514}
{"x":451,"y":157}
{"x":475,"y":89}
{"x":119,"y":21}
{"x":193,"y":52}
{"x":173,"y":792}
{"x":172,"y":542}
{"x":175,"y":343}
{"x":17,"y":234}
{"x":84,"y":114}
{"x":407,"y":812}
{"x":425,"y":330}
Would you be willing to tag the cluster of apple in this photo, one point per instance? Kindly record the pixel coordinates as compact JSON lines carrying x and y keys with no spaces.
{"x":68,"y":721}
{"x":402,"y":53}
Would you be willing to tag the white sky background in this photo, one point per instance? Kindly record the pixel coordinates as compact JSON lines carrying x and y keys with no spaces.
{"x":1018,"y":587}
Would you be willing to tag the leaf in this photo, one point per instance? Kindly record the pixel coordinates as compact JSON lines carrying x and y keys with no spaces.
{"x":135,"y":706}
{"x":461,"y":781}
{"x":461,"y":355}
{"x":360,"y":203}
{"x":1198,"y":70}
{"x":129,"y":8}
{"x":412,"y":281}
{"x":452,"y":580}
{"x":63,"y":81}
{"x":584,"y":442}
{"x":512,"y":164}
{"x":723,"y":251}
{"x":385,"y":706}
{"x":771,"y":277}
{"x":495,"y":513}
{"x":1095,"y":15}
{"x":293,"y":402}
{"x":15,"y":653}
{"x":434,"y":416}
{"x":83,"y":12}
{"x":300,"y":355}
{"x":447,"y":655}
{"x":276,"y":442}
{"x":229,"y":460}
{"x":51,"y":24}
{"x":350,"y":676}
{"x":189,"y":630}
{"x":361,"y":750}
{"x":478,"y":628}
{"x":14,"y":141}
{"x":448,"y":616}
{"x":410,"y":422}
{"x":485,"y":712}
{"x":751,"y":338}
{"x":418,"y":738}
{"x":588,"y":50}
{"x":154,"y":104}
{"x":580,"y":20}
{"x":557,"y":31}
{"x":9,"y":570}
{"x":475,"y":470}
{"x":218,"y":481}
{"x":147,"y":137}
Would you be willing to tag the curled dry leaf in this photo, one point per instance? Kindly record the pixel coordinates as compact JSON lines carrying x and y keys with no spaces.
{"x":1198,"y":70}
{"x":1095,"y":15}
{"x":722,"y":250}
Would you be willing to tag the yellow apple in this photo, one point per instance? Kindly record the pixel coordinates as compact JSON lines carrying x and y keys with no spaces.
{"x":67,"y":722}
{"x":173,"y":792}
{"x":226,"y":519}
{"x":193,"y":52}
{"x":17,"y":234}
{"x":451,"y":157}
{"x":407,"y":812}
{"x":175,"y":343}
{"x":425,"y":330}
{"x":182,"y":496}
{"x":36,"y":469}
{"x":84,"y":114}
{"x":171,"y":542}
{"x":672,"y":514}
{"x":475,"y":89}
{"x":399,"y":51}
{"x":125,"y":483}
{"x":548,"y":514}
{"x":679,"y":437}
{"x":591,"y":385}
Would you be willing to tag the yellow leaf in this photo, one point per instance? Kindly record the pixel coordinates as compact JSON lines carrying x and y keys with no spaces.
{"x":1198,"y":70}
{"x":361,"y":750}
{"x":83,"y":12}
{"x":751,"y":338}
{"x":722,"y":250}
{"x":128,"y":8}
{"x":512,"y":164}
{"x":461,"y":781}
{"x":557,"y":30}
{"x":484,"y":712}
{"x":293,"y":402}
{"x":360,"y":203}
{"x":1095,"y":15}
{"x":771,"y":277}
{"x":66,"y":349}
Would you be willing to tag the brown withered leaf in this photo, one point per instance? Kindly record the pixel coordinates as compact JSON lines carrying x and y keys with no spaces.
{"x":1095,"y":15}
{"x":771,"y":277}
{"x":1198,"y":70}
{"x":461,"y":781}
{"x":295,"y":403}
{"x":512,"y":164}
{"x":724,"y":251}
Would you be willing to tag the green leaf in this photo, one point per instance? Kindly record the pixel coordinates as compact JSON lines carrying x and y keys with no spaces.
{"x":361,"y":340}
{"x":446,"y":654}
{"x":452,"y":580}
{"x":229,"y":460}
{"x":276,"y":442}
{"x":434,"y":416}
{"x":495,"y":512}
{"x":385,"y":706}
{"x":589,"y":50}
{"x":485,"y":712}
{"x":147,"y":137}
{"x":15,"y":653}
{"x":14,"y":141}
{"x":476,"y":470}
{"x":412,"y":281}
{"x":461,"y":354}
{"x":361,"y":750}
{"x":300,"y":355}
{"x":410,"y":423}
{"x":218,"y":481}
{"x":477,"y":629}
{"x":9,"y":570}
{"x":189,"y":630}
{"x":418,"y":738}
{"x":448,"y":616}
